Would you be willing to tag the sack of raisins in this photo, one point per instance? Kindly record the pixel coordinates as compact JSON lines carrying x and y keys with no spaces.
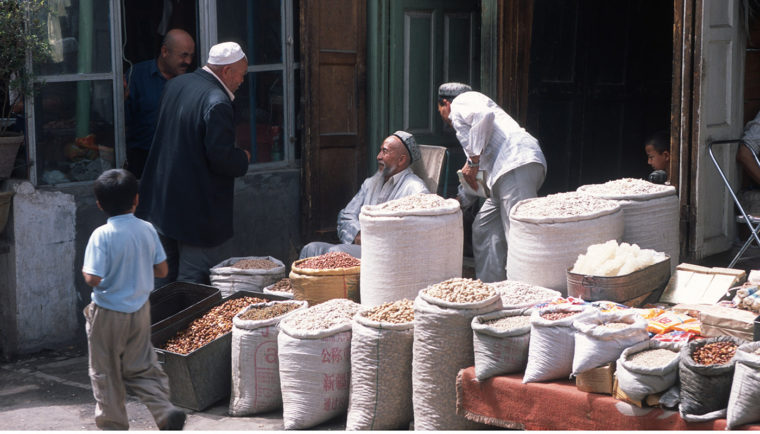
{"x":706,"y":371}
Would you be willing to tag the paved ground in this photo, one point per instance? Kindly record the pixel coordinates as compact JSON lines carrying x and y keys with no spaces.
{"x":51,"y":391}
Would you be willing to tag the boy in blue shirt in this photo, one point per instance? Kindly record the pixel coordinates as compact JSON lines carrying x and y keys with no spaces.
{"x":120,"y":261}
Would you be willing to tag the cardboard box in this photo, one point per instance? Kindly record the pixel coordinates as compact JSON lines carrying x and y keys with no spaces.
{"x":701,"y":285}
{"x":597,"y":380}
{"x":619,"y":394}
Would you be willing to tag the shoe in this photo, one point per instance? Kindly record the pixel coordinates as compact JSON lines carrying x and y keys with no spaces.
{"x":175,"y":421}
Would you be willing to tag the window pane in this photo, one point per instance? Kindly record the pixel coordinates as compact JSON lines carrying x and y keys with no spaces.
{"x":259,"y":103}
{"x":75,"y":133}
{"x":255,"y":25}
{"x":79,"y":34}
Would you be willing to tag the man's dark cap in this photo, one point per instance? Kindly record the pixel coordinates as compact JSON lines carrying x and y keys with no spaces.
{"x":451,"y":90}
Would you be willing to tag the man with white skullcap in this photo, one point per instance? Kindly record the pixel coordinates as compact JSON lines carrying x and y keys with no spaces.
{"x":512,"y":163}
{"x":188,"y":183}
{"x":394,"y":179}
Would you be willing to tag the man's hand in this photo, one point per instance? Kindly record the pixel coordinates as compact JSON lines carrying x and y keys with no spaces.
{"x":358,"y":238}
{"x":470,"y":176}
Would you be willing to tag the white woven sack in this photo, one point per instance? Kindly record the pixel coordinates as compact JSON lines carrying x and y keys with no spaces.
{"x":651,"y":220}
{"x":499,"y":351}
{"x":268,"y":290}
{"x":596,"y":345}
{"x":380,"y":397}
{"x":255,"y":367}
{"x":418,"y":248}
{"x":552,"y":344}
{"x":541,"y":250}
{"x":230,"y":280}
{"x":442,"y":346}
{"x":637,"y":381}
{"x":744,"y":401}
{"x":315,"y":374}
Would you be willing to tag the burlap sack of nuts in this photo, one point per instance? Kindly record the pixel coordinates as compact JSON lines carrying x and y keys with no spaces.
{"x":319,"y":285}
{"x":443,"y":346}
{"x":381,"y":373}
{"x":601,"y":337}
{"x":547,"y":234}
{"x":650,"y":212}
{"x":744,"y":400}
{"x":231,"y":279}
{"x":705,"y":388}
{"x":314,"y":348}
{"x":552,"y":343}
{"x":254,"y":359}
{"x":637,"y":379}
{"x":500,"y":347}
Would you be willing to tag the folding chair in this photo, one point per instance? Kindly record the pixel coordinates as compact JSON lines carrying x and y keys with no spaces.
{"x":753,"y":222}
{"x":432,"y":167}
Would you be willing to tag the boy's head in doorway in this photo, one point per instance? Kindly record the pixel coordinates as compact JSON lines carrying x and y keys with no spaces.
{"x":657,"y":148}
{"x":116,"y":192}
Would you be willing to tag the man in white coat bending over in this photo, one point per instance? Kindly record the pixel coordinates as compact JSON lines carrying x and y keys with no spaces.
{"x":512,"y":163}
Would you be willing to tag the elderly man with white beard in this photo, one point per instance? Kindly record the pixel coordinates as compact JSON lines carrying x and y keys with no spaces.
{"x":394,"y":179}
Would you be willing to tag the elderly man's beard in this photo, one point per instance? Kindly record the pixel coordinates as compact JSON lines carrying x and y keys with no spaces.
{"x":388,"y":171}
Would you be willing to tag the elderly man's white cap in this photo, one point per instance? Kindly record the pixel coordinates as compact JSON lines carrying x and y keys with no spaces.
{"x":225,"y":53}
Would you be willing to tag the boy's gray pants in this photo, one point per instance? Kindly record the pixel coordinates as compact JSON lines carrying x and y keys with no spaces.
{"x":490,"y":230}
{"x":121,"y":356}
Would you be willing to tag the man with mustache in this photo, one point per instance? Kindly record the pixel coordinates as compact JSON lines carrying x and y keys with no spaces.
{"x":146,"y":82}
{"x":394,"y":179}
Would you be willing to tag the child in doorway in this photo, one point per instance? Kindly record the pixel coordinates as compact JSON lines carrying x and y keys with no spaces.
{"x":120,"y":261}
{"x":657,"y":148}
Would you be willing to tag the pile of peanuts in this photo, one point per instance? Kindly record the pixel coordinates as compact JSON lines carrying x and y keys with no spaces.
{"x":624,"y":186}
{"x":714,"y":353}
{"x":413,"y":202}
{"x":268,"y":312}
{"x":396,"y":312}
{"x":282,"y":285}
{"x":461,"y":290}
{"x":554,"y":316}
{"x":215,"y":323}
{"x":255,"y":264}
{"x":330,"y":260}
{"x":569,"y":204}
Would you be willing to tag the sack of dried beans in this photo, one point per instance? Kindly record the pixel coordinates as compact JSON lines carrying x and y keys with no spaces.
{"x":255,"y":366}
{"x":381,"y":367}
{"x":552,"y":342}
{"x":647,"y":368}
{"x":417,"y":239}
{"x":500,"y":342}
{"x":744,"y":400}
{"x":281,"y":288}
{"x":706,"y":371}
{"x":325,"y":277}
{"x":601,"y":337}
{"x":250,"y":273}
{"x":650,"y":212}
{"x":547,"y":234}
{"x":314,"y":348}
{"x":442,"y":346}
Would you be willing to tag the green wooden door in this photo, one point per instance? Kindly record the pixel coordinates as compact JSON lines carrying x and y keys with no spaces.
{"x":429,"y":42}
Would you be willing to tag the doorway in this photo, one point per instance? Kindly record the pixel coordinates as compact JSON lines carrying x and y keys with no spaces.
{"x":147,"y":21}
{"x":599,"y":85}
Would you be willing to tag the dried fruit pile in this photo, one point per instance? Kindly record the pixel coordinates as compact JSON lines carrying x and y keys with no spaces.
{"x":267,"y":312}
{"x":625,"y":186}
{"x":413,"y":202}
{"x":330,"y":260}
{"x":210,"y":326}
{"x":714,"y":353}
{"x":254,"y":264}
{"x":461,"y":290}
{"x":562,"y":205}
{"x":396,"y":312}
{"x":553,"y":316}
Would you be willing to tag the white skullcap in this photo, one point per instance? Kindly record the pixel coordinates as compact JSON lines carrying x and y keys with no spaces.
{"x":225,"y":53}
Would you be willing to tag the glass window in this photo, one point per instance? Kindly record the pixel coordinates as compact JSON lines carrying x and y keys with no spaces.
{"x":260,"y":117}
{"x":79,"y":34}
{"x":255,"y":25}
{"x":75,"y":131}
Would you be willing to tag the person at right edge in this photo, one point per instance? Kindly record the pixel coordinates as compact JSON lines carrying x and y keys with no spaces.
{"x":512,"y":162}
{"x":187,"y":187}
